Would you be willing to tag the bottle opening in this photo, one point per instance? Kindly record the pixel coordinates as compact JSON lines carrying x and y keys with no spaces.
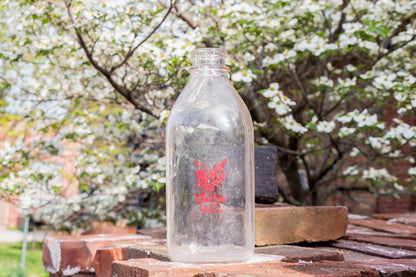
{"x":208,"y":58}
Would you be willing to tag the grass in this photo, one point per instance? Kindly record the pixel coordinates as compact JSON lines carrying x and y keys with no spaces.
{"x":10,"y":255}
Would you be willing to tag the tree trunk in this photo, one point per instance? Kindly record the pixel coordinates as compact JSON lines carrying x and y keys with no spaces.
{"x":288,"y":162}
{"x":318,"y":196}
{"x":289,"y":165}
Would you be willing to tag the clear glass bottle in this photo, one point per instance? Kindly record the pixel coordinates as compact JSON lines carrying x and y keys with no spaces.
{"x":210,"y":167}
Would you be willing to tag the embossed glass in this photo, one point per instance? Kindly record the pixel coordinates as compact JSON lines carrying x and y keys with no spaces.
{"x":210,"y":167}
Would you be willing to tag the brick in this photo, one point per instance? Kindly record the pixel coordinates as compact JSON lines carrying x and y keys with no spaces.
{"x":155,"y":249}
{"x":329,"y":268}
{"x":353,"y":230}
{"x":287,"y":253}
{"x":285,"y":225}
{"x":387,"y":241}
{"x":381,"y":225}
{"x":390,"y":268}
{"x":110,"y":228}
{"x":373,"y":249}
{"x":151,"y":267}
{"x":104,"y":257}
{"x":295,"y":253}
{"x":157,"y":232}
{"x":358,"y":217}
{"x":388,"y":204}
{"x":394,"y":215}
{"x":74,"y":275}
{"x":348,"y":254}
{"x":69,"y":255}
{"x":260,"y":265}
{"x":405,"y":218}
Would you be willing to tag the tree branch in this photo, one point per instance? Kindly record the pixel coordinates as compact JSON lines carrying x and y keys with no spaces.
{"x":334,"y":36}
{"x":127,"y":94}
{"x":131,"y":51}
{"x":185,"y":17}
{"x":286,"y":197}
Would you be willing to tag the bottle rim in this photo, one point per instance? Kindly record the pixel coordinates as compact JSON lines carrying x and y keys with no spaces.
{"x":209,"y":59}
{"x":209,"y":51}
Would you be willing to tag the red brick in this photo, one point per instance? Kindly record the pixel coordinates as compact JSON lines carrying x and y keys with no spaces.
{"x":348,"y":254}
{"x":68,"y":255}
{"x":75,"y":275}
{"x":353,"y":230}
{"x":405,"y":218}
{"x":398,"y":267}
{"x":388,"y":204}
{"x":260,"y":265}
{"x":394,"y":215}
{"x":285,"y":225}
{"x":287,"y":253}
{"x":329,"y":268}
{"x":373,"y":249}
{"x":295,"y":254}
{"x":381,"y":225}
{"x":110,"y":228}
{"x":387,"y":241}
{"x":157,"y":233}
{"x":155,"y":249}
{"x":104,"y":257}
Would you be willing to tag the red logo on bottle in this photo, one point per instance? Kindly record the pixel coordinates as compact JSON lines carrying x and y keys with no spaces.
{"x":209,"y":181}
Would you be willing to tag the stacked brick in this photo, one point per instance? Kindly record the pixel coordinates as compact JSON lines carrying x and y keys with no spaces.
{"x":146,"y":254}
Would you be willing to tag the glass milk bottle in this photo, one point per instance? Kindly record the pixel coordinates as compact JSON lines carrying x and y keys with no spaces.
{"x":210,"y":167}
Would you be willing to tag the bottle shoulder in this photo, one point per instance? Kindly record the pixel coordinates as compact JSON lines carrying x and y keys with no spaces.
{"x":196,"y":105}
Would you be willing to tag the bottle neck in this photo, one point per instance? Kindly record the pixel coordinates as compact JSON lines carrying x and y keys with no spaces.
{"x":209,"y":71}
{"x":209,"y":61}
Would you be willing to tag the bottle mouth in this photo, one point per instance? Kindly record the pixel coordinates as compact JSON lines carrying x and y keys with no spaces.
{"x":213,"y":58}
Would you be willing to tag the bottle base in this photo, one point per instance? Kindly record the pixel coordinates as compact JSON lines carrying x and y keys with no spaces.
{"x":223,"y":254}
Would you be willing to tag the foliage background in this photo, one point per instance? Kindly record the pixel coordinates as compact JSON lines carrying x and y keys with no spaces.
{"x":330,"y":83}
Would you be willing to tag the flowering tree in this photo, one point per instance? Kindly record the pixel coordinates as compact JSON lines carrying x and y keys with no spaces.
{"x":330,"y":83}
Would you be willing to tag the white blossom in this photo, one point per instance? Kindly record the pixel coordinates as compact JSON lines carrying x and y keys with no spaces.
{"x":378,"y":142}
{"x":291,"y":124}
{"x":346,"y":131}
{"x":351,"y":170}
{"x":243,"y":76}
{"x":325,"y":126}
{"x":378,"y":174}
{"x":412,"y":171}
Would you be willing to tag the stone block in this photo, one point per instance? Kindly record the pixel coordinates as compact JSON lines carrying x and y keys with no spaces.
{"x":285,"y":225}
{"x":69,"y":255}
{"x":265,"y":165}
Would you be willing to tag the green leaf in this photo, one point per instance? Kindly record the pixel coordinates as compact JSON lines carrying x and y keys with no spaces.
{"x":45,"y":20}
{"x":382,"y":30}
